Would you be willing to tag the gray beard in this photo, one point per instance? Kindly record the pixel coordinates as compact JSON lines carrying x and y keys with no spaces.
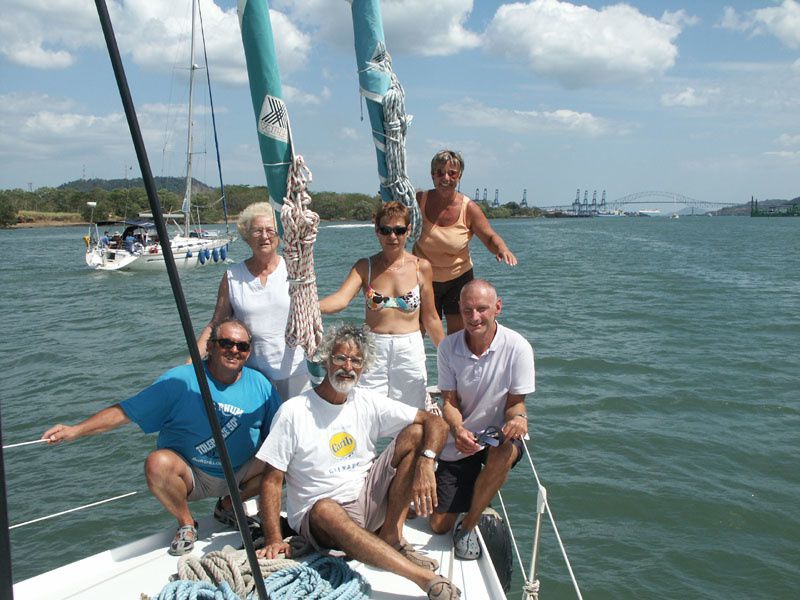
{"x":342,"y":387}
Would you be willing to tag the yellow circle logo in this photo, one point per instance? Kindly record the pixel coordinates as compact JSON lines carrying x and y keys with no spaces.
{"x":342,"y":444}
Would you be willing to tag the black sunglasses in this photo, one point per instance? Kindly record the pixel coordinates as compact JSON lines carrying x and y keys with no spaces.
{"x":227,"y":344}
{"x":398,"y":231}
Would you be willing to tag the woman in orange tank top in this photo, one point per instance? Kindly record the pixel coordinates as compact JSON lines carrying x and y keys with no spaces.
{"x":449,"y":220}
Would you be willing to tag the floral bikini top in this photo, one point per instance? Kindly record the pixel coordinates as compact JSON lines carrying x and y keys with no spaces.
{"x":408,"y":302}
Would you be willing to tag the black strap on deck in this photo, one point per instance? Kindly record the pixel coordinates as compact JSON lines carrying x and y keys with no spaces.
{"x":177,"y":290}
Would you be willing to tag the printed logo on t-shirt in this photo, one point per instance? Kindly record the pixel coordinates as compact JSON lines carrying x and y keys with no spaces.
{"x":342,"y":444}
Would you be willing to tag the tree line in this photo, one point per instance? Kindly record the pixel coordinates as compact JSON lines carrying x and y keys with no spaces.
{"x":120,"y":203}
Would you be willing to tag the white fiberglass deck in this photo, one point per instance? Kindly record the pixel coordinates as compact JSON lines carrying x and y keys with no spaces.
{"x":144,"y":567}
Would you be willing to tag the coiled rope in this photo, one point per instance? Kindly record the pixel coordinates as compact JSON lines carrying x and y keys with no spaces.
{"x":395,"y":125}
{"x":300,"y":226}
{"x":323,"y":578}
{"x":225,"y":575}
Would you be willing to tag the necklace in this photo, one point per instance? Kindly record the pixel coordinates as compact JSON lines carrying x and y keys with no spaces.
{"x":393,"y":267}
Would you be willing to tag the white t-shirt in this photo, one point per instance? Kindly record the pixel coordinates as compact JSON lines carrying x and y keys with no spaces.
{"x":326,"y":450}
{"x":483,"y":382}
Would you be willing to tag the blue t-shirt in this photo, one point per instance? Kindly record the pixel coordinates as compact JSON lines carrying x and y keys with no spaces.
{"x":173,"y":407}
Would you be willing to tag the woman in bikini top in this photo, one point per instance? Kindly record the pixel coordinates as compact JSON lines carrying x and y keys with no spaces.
{"x":397,"y":285}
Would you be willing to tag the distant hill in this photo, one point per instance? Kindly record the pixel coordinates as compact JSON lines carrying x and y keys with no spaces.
{"x":765,"y":205}
{"x":176,"y":185}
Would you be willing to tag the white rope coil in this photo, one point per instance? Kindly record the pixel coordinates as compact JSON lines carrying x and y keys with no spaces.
{"x":395,"y":124}
{"x":300,"y":226}
{"x":228,"y":565}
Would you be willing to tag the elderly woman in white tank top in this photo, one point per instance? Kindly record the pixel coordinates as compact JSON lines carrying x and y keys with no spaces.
{"x":256,"y":292}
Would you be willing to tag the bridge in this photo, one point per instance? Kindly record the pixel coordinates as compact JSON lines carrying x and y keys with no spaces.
{"x":637,"y":198}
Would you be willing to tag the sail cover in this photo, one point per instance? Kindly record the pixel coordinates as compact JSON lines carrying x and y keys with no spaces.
{"x":272,"y":118}
{"x":385,"y":105}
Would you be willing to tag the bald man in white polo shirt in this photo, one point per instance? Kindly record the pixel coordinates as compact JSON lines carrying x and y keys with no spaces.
{"x":485,"y":371}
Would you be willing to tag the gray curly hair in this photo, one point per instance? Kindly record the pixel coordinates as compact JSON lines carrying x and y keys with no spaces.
{"x":358,"y":335}
{"x":257,"y":209}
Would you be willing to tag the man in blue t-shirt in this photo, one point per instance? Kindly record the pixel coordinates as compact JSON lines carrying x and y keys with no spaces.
{"x":186,"y":466}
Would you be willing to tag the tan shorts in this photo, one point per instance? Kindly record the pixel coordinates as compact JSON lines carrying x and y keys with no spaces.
{"x":208,"y":486}
{"x":369,"y":509}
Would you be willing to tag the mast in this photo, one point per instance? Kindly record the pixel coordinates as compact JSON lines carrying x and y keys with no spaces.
{"x":186,"y":208}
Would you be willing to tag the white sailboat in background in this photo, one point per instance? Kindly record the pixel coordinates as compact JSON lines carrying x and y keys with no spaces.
{"x":138,"y":248}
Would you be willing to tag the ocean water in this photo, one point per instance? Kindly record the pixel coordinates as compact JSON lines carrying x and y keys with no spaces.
{"x":665,"y":426}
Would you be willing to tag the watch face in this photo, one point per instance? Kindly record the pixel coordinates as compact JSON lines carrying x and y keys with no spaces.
{"x":429,"y":454}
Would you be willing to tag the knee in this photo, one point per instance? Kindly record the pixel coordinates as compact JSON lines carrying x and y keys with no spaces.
{"x":325,"y":510}
{"x":411,"y":435}
{"x":442,"y":522}
{"x":160,"y":463}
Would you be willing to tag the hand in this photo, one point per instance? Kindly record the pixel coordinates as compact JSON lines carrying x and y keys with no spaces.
{"x":59,"y":433}
{"x":274,"y":549}
{"x":515,"y":428}
{"x":423,"y":489}
{"x":465,"y":441}
{"x":507,"y":257}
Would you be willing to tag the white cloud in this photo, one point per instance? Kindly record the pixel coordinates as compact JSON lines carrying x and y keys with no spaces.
{"x":787,"y":140}
{"x":48,"y":34}
{"x":688,"y":97}
{"x":349,"y":133}
{"x":784,"y":155}
{"x":475,"y":114}
{"x":580,"y":46}
{"x":782,"y":21}
{"x":420,"y":27}
{"x":679,"y":18}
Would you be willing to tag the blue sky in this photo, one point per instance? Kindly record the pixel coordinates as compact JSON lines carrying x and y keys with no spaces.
{"x":697,"y":98}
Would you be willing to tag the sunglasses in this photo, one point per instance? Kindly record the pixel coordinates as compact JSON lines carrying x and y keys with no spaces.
{"x":340,"y":360}
{"x":398,"y":231}
{"x":227,"y":344}
{"x":453,"y":173}
{"x":491,"y":436}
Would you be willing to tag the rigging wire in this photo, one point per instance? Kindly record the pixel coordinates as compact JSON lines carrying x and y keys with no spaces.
{"x":71,"y":510}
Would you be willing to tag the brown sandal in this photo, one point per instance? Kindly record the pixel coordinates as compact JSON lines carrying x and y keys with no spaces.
{"x":416,"y":557}
{"x":441,"y":588}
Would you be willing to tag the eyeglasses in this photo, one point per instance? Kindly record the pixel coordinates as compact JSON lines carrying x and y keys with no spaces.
{"x":340,"y":360}
{"x":227,"y":344}
{"x":263,"y":232}
{"x":398,"y":231}
{"x":452,"y":173}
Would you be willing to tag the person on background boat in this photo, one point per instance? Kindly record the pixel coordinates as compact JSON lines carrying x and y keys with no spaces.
{"x":105,"y":241}
{"x":185,"y":466}
{"x":256,"y":291}
{"x":338,"y":492}
{"x":398,"y":292}
{"x":449,"y":220}
{"x":485,"y":371}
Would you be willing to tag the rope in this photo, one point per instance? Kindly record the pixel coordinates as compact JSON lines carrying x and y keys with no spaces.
{"x":18,"y":444}
{"x":300,"y":225}
{"x":196,"y":590}
{"x":324,"y":577}
{"x":64,"y":512}
{"x":230,"y":567}
{"x":553,"y":523}
{"x":395,"y":124}
{"x":225,"y":575}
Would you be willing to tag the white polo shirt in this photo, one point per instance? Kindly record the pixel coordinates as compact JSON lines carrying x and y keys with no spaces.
{"x":483,"y":382}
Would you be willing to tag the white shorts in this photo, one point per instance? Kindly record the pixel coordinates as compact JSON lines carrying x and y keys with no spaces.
{"x":399,"y":370}
{"x":292,"y":386}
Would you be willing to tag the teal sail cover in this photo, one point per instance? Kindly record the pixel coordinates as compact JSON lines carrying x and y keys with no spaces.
{"x":272,"y":118}
{"x":374,"y":75}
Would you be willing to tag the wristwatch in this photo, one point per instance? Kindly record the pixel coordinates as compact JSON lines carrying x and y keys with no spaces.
{"x":428,"y":453}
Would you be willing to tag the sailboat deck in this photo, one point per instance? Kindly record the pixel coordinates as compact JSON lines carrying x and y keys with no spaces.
{"x":143,"y":567}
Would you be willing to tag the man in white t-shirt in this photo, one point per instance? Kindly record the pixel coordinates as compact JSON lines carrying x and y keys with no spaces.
{"x":485,"y":371}
{"x":339,"y":493}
